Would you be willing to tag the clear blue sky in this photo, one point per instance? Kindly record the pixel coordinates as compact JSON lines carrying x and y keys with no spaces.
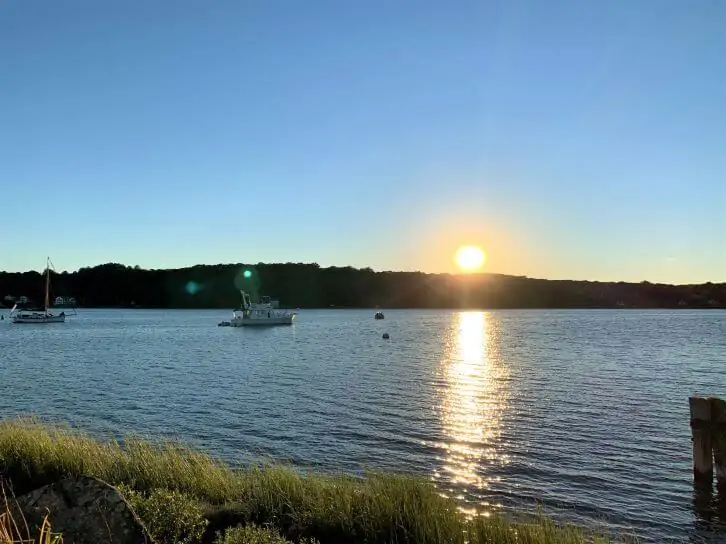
{"x":570,"y":139}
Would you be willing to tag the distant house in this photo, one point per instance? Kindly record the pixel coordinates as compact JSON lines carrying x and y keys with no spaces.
{"x":9,"y":298}
{"x":23,"y":300}
{"x":64,"y":301}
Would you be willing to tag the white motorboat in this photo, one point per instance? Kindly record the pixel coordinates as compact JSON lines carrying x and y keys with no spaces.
{"x":38,"y":315}
{"x":259,"y":314}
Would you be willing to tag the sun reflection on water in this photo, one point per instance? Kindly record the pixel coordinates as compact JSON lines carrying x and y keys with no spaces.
{"x":474,"y":397}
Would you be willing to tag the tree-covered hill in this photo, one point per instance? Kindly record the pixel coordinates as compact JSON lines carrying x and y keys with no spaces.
{"x":311,"y":286}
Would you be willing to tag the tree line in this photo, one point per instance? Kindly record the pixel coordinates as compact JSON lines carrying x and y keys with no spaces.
{"x":303,"y":285}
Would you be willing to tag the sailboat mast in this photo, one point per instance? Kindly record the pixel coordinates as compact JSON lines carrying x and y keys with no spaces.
{"x":47,"y":284}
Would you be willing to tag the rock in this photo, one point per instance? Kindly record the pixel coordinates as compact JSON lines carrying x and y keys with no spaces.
{"x":85,"y":511}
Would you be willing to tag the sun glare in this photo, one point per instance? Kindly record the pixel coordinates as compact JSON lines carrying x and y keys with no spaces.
{"x":470,"y":258}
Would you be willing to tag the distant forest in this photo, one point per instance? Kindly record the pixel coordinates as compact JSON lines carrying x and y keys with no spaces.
{"x":299,"y":285}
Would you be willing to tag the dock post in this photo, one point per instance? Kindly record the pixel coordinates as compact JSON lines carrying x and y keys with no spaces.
{"x":718,"y":440}
{"x":701,"y":438}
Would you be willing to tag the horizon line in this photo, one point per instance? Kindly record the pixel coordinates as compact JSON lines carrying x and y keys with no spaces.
{"x":452,"y":274}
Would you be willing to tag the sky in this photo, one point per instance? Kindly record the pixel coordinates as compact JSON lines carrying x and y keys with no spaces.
{"x":568,"y":139}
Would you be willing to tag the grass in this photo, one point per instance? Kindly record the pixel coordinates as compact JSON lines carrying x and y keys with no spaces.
{"x":186,"y":496}
{"x":13,"y":531}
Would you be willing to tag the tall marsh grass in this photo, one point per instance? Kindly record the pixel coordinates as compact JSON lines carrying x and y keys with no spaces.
{"x":15,"y":530}
{"x":380,"y":508}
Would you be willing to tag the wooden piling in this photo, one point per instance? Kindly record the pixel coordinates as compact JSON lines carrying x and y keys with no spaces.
{"x":701,"y":438}
{"x":718,"y":440}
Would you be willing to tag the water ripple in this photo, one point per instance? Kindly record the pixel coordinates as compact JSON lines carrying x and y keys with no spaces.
{"x":581,"y":412}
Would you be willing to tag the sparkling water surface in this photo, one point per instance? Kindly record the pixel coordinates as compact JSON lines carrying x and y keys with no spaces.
{"x":583,"y":413}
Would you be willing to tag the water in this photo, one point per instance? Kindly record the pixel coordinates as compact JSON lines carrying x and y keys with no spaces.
{"x":582,"y":412}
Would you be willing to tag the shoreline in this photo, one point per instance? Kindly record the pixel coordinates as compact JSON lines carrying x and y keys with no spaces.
{"x":162,"y":479}
{"x":409,"y":308}
{"x":301,"y":285}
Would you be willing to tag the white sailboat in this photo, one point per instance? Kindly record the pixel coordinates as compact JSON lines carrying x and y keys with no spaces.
{"x":39,"y":315}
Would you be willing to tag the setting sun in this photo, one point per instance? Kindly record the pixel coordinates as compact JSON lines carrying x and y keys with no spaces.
{"x":469,"y":258}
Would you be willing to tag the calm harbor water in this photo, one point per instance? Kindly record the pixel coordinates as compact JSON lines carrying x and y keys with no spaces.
{"x":584,"y":413}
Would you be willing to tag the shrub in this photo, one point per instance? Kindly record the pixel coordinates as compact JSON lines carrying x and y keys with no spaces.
{"x":170,"y":516}
{"x":252,"y":534}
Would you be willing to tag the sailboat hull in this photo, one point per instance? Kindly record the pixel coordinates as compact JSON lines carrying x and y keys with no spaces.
{"x":39,"y":319}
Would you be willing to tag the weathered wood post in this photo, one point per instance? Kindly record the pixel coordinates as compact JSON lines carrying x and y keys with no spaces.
{"x":701,"y":438}
{"x":718,"y":440}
